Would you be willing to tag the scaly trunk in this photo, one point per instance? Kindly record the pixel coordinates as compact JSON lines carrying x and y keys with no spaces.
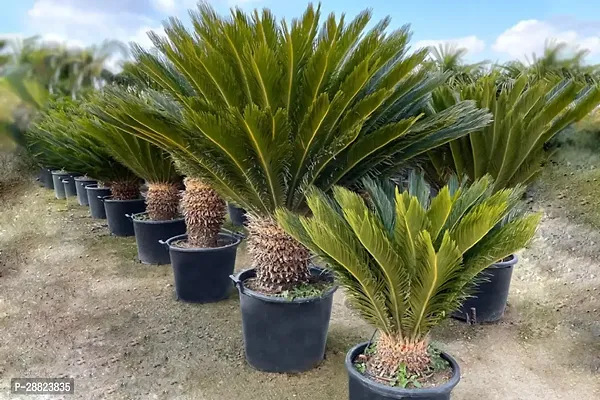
{"x":281,"y":262}
{"x":162,"y":201}
{"x":393,"y":351}
{"x":204,"y":212}
{"x":125,"y":190}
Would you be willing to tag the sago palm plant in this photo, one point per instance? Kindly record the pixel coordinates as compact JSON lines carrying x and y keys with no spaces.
{"x":259,"y":110}
{"x":57,"y":138}
{"x":146,"y":160}
{"x":407,"y":260}
{"x":526,"y":116}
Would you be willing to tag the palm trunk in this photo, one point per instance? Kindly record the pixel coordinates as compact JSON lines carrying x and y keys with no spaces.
{"x":281,"y":262}
{"x":392,"y":351}
{"x":162,"y":201}
{"x":125,"y":190}
{"x":204,"y":212}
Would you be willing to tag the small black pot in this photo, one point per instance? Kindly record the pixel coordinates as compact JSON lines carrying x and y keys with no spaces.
{"x":202,"y":274}
{"x":45,"y":178}
{"x":148,"y":233}
{"x":282,"y":335}
{"x":117,"y":211}
{"x":59,"y":187}
{"x":69,"y":184}
{"x":491,"y":295}
{"x":362,"y":388}
{"x":80,"y":183}
{"x":236,"y":215}
{"x":95,"y":195}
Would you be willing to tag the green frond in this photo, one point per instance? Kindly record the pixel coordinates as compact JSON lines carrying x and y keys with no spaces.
{"x":406,"y":279}
{"x":261,"y":108}
{"x":527,"y":114}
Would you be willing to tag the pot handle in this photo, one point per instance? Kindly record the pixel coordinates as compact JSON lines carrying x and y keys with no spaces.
{"x":130,"y":216}
{"x":163,"y":243}
{"x":102,"y":198}
{"x":239,"y":235}
{"x":65,"y":181}
{"x":237,"y":283}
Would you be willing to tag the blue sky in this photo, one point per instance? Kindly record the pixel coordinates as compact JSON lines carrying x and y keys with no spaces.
{"x":494,"y":30}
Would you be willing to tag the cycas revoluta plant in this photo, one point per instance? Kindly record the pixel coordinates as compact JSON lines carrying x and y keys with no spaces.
{"x":58,"y":138}
{"x":262,"y":109}
{"x":146,"y":160}
{"x":526,"y":116}
{"x":407,"y":260}
{"x":449,"y":58}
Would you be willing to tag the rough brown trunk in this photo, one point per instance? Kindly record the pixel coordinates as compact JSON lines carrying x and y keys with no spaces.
{"x":204,"y":212}
{"x":281,"y":262}
{"x":126,"y":190}
{"x":393,"y":351}
{"x":162,"y":201}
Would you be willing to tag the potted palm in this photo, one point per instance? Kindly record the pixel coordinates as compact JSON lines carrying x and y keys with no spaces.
{"x":407,"y":261}
{"x":261,"y":116}
{"x":511,"y":150}
{"x":162,"y":218}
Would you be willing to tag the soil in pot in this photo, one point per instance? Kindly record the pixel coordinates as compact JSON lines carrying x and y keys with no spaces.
{"x":95,"y":195}
{"x":149,"y":233}
{"x":80,"y":183}
{"x":202,"y":274}
{"x":490,"y":296}
{"x":236,"y":215}
{"x":281,"y":334}
{"x":363,"y":387}
{"x":69,"y":184}
{"x":59,"y":187}
{"x":118,"y":212}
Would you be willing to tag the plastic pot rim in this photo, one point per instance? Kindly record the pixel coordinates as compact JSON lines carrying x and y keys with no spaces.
{"x":84,"y":179}
{"x":109,"y":199}
{"x":236,"y":242}
{"x":94,"y":186}
{"x":151,"y":221}
{"x":505,"y":264}
{"x":382,"y":389}
{"x":59,"y":172}
{"x":239,"y":283}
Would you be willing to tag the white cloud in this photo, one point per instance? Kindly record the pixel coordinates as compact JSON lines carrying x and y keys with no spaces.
{"x":530,"y":36}
{"x":84,"y":23}
{"x":472,"y":43}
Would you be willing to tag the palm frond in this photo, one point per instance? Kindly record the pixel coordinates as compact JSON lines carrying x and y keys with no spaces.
{"x":405,"y":280}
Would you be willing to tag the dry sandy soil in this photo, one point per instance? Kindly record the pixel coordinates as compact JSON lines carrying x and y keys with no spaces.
{"x":74,"y":302}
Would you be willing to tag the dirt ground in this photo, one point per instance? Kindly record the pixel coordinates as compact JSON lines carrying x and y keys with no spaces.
{"x":75,"y":302}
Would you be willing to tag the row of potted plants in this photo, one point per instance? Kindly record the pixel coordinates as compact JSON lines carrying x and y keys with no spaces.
{"x":291,"y":123}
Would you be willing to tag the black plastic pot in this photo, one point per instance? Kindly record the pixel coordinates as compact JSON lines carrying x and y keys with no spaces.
{"x":95,"y":195}
{"x":282,"y":335}
{"x":45,"y":178}
{"x":202,"y":275}
{"x":361,"y":387}
{"x":117,"y":211}
{"x":489,"y":301}
{"x":69,"y":184}
{"x":236,"y":215}
{"x":148,"y":235}
{"x":80,"y":183}
{"x":59,"y":187}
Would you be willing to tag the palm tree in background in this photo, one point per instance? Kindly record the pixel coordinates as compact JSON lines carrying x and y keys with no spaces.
{"x":449,"y":58}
